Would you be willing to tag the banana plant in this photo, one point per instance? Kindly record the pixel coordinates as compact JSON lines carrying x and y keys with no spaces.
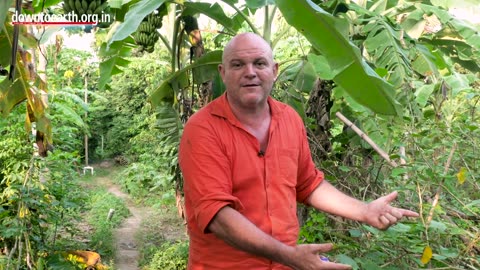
{"x":26,"y":84}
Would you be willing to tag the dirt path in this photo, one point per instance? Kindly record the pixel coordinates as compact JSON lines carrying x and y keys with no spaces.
{"x":127,"y":253}
{"x":126,"y":238}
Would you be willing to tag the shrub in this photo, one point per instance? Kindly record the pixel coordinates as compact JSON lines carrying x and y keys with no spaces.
{"x":170,"y":256}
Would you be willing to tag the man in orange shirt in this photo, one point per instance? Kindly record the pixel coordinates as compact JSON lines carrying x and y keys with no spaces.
{"x":246,"y":162}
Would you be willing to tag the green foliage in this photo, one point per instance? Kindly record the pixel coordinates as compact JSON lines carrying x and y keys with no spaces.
{"x":123,"y":113}
{"x":139,"y":179}
{"x":98,"y":207}
{"x":170,"y":256}
{"x":351,"y":71}
{"x":39,"y":196}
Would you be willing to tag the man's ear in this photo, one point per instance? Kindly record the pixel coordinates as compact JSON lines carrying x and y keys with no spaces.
{"x":221,"y":70}
{"x":275,"y":70}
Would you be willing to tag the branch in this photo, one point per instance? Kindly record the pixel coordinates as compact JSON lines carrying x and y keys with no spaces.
{"x":439,"y":189}
{"x":367,"y":139}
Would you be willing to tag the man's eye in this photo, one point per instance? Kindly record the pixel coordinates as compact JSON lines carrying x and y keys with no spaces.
{"x":261,"y":64}
{"x":236,"y":65}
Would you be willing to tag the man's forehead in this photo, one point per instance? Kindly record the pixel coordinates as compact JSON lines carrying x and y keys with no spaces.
{"x":249,"y":53}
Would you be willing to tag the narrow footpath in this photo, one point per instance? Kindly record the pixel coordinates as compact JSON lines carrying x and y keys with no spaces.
{"x":165,"y":226}
{"x":127,"y":254}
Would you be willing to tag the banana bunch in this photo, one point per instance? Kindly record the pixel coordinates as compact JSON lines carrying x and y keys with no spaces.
{"x":146,"y":35}
{"x":81,"y":7}
{"x":155,"y":20}
{"x":146,"y":40}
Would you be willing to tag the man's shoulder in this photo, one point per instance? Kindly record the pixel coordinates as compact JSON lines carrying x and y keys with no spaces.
{"x":205,"y":114}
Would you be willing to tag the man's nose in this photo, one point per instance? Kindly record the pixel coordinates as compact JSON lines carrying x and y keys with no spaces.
{"x":250,"y":70}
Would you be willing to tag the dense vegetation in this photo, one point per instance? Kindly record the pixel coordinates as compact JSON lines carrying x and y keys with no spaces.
{"x":426,"y":120}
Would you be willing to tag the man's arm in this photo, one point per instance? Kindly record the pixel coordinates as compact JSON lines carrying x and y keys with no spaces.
{"x":378,"y":213}
{"x":236,"y":230}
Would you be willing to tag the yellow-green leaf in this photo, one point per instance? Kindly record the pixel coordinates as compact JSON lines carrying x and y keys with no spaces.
{"x":462,"y":175}
{"x":427,"y":255}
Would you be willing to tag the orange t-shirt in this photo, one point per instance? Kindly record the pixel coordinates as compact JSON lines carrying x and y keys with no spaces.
{"x":221,"y":166}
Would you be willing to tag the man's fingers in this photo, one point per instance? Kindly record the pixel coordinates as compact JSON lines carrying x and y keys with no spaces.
{"x":390,"y":197}
{"x":384,"y":220}
{"x":320,"y":248}
{"x":397,"y":213}
{"x":408,"y":213}
{"x":391,"y":218}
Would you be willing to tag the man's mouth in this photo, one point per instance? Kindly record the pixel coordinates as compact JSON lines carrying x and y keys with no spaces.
{"x":250,"y":85}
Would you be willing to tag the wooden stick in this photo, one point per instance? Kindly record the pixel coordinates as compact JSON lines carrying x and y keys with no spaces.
{"x":367,"y":139}
{"x":402,"y":160}
{"x":439,"y":189}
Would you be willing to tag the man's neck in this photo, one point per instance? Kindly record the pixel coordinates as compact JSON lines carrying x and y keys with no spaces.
{"x":251,"y":117}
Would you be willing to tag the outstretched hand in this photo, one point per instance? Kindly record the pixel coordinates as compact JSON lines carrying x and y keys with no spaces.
{"x":380,"y":214}
{"x":307,"y":256}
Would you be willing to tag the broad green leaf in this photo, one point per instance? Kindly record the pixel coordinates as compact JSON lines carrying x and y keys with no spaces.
{"x":398,"y":171}
{"x":169,"y":122}
{"x":453,"y":28}
{"x":355,"y":233}
{"x":204,"y":74}
{"x":115,"y":4}
{"x":302,"y":74}
{"x":342,"y":258}
{"x":423,"y":93}
{"x":458,"y":82}
{"x":426,"y":62}
{"x":27,"y":38}
{"x":383,"y":46}
{"x":45,"y":36}
{"x":370,"y":265}
{"x":165,"y":92}
{"x":259,"y":3}
{"x":134,"y":17}
{"x":446,"y":4}
{"x":218,"y":87}
{"x":214,"y":11}
{"x":108,"y":69}
{"x":321,"y":66}
{"x":427,"y":255}
{"x":6,"y":34}
{"x":340,"y":93}
{"x":11,"y":94}
{"x":4,"y":5}
{"x":114,"y":59}
{"x":294,"y":98}
{"x":399,"y":228}
{"x":41,"y":5}
{"x":328,"y":35}
{"x":462,"y":175}
{"x":438,"y":226}
{"x":70,"y":114}
{"x":448,"y":252}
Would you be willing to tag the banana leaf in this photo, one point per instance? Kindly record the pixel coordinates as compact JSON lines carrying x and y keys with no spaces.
{"x":328,"y":35}
{"x":178,"y":80}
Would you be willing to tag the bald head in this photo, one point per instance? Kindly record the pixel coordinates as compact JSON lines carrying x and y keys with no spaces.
{"x":248,"y":72}
{"x":245,"y":41}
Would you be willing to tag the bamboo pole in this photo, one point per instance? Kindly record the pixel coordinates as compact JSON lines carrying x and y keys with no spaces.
{"x":85,"y":138}
{"x":367,"y":139}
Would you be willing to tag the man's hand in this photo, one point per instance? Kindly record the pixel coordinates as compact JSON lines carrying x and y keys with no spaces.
{"x":380,"y":214}
{"x":307,"y":257}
